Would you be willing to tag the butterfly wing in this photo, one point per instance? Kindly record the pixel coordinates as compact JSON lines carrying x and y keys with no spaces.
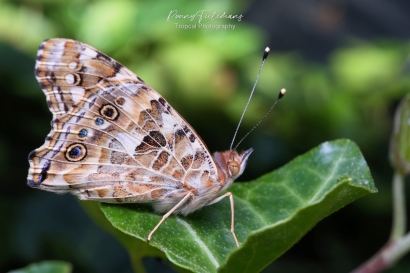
{"x":113,"y":138}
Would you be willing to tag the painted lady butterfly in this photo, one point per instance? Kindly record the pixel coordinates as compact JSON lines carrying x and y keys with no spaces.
{"x":114,"y":139}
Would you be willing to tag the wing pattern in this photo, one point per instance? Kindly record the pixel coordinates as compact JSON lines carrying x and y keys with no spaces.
{"x":113,"y":137}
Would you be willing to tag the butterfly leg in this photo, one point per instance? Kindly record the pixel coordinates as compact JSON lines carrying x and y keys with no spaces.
{"x":216,"y":200}
{"x":165,"y":216}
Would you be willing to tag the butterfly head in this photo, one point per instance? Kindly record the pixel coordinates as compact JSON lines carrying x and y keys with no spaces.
{"x":231,"y":164}
{"x":235,"y":163}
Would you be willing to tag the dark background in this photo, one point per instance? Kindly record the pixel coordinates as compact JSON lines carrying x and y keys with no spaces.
{"x":345,"y":65}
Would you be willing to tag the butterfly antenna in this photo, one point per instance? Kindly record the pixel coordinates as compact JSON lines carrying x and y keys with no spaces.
{"x":281,"y":94}
{"x":265,"y":55}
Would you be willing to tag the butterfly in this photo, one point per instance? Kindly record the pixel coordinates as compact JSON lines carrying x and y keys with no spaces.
{"x":114,"y":139}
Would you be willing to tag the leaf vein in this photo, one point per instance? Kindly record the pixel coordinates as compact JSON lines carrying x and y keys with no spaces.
{"x":330,"y":176}
{"x":303,"y":201}
{"x":253,"y":210}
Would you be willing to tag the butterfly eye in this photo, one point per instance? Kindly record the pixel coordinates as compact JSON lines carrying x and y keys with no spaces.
{"x":120,"y":101}
{"x":109,"y":111}
{"x":99,"y":121}
{"x":233,"y":167}
{"x":76,"y":152}
{"x":83,"y":133}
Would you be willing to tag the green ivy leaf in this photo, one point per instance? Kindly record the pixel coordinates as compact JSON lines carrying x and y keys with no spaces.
{"x":45,"y":267}
{"x":272,"y":213}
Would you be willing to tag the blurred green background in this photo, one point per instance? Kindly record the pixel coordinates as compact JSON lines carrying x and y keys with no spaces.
{"x":344,"y":63}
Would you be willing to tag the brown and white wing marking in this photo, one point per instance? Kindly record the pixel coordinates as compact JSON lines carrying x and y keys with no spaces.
{"x":113,"y":138}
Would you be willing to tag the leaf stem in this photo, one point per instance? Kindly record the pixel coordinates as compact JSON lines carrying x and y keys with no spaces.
{"x":398,"y":244}
{"x":387,"y":256}
{"x":398,"y":250}
{"x":399,"y":207}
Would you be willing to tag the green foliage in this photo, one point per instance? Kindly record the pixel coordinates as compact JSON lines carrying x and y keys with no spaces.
{"x":45,"y":267}
{"x":271,"y":213}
